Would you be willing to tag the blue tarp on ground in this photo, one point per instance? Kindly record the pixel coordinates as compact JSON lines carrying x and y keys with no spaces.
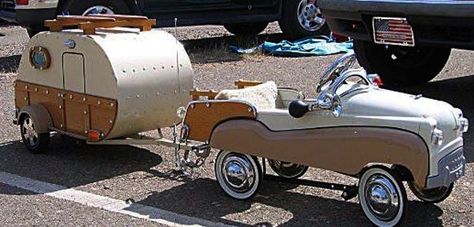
{"x":306,"y":47}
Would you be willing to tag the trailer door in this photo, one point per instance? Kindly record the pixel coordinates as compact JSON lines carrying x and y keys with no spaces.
{"x":73,"y":72}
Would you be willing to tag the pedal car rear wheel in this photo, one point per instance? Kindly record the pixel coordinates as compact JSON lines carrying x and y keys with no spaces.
{"x":434,"y":195}
{"x":34,"y":141}
{"x":239,"y":175}
{"x":382,"y":196}
{"x":287,"y":169}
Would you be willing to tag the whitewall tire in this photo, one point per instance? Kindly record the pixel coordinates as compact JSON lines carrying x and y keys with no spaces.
{"x":239,"y":175}
{"x":382,"y":196}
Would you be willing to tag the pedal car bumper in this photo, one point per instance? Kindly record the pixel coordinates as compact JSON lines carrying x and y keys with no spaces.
{"x":450,"y":169}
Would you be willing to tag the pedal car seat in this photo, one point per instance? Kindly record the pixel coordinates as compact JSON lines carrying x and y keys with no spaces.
{"x":262,"y":96}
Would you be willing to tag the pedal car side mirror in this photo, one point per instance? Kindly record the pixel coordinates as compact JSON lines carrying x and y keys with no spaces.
{"x":298,"y":108}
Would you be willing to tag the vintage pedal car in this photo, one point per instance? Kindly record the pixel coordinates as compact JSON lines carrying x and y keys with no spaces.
{"x":78,"y":82}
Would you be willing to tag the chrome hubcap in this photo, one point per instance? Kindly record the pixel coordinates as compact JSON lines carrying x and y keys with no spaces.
{"x":28,"y":132}
{"x":382,"y":197}
{"x":238,"y":173}
{"x":98,"y":10}
{"x":309,"y":15}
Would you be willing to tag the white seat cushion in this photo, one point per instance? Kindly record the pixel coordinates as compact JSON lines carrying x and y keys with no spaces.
{"x":262,"y":96}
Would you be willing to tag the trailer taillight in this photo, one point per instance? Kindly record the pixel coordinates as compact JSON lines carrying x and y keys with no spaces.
{"x":22,"y":2}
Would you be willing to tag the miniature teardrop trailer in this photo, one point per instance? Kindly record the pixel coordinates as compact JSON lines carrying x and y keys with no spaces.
{"x":107,"y":85}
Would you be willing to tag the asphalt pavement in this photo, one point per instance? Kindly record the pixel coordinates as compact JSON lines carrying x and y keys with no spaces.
{"x":144,"y":176}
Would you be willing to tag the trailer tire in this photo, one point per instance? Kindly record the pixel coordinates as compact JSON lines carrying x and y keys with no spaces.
{"x":238,"y":175}
{"x":400,"y":66}
{"x":34,"y":141}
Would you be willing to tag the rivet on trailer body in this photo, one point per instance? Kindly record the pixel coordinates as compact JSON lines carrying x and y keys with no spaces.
{"x":60,"y":107}
{"x":192,"y":106}
{"x":111,"y":122}
{"x":25,"y":98}
{"x":98,"y":102}
{"x":70,"y":96}
{"x":36,"y":89}
{"x":62,"y":126}
{"x":84,"y":99}
{"x":26,"y":86}
{"x":85,"y":132}
{"x":111,"y":104}
{"x":208,"y":105}
{"x":250,"y":110}
{"x":59,"y":94}
{"x":85,"y":112}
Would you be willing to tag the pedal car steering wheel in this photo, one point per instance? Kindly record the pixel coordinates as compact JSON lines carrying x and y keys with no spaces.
{"x":335,"y":70}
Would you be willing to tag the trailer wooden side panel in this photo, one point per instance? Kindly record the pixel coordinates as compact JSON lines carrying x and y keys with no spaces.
{"x":71,"y":112}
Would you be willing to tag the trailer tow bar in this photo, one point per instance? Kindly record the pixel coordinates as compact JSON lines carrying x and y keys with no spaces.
{"x":348,"y":191}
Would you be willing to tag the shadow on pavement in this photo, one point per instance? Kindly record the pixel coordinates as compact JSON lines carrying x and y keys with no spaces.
{"x":204,"y":199}
{"x":457,"y":92}
{"x":9,"y":64}
{"x":69,"y":164}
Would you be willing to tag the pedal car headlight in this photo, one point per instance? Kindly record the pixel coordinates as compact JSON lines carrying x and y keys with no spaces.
{"x":463,"y":124}
{"x":437,"y":137}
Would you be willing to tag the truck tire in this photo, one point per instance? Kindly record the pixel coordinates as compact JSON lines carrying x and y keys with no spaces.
{"x":80,"y":7}
{"x":302,"y":18}
{"x":401,"y":66}
{"x":246,"y":29}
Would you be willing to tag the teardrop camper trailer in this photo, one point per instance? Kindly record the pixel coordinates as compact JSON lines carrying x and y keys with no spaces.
{"x":98,"y":84}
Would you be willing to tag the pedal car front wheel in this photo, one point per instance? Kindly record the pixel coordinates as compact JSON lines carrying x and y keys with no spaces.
{"x":239,"y":175}
{"x":434,"y":195}
{"x":382,"y":196}
{"x":287,"y":169}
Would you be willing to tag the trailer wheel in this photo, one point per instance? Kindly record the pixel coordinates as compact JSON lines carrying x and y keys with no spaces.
{"x":382,"y":196}
{"x":434,"y":195}
{"x":287,"y":169}
{"x":35,"y":142}
{"x":239,"y":175}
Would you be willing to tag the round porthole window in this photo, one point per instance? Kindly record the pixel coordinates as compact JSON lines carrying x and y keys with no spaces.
{"x":40,"y":58}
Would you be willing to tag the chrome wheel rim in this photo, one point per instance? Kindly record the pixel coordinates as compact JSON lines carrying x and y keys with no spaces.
{"x":309,"y":15}
{"x":287,"y":169}
{"x":98,"y":10}
{"x":382,"y":197}
{"x":28,"y":132}
{"x":238,"y":173}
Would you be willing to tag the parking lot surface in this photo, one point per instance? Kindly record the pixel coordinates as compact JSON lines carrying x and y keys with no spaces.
{"x":144,"y":176}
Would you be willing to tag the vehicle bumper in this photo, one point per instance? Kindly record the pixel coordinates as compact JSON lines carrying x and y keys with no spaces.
{"x":34,"y":17}
{"x":450,"y":168}
{"x":447,"y":23}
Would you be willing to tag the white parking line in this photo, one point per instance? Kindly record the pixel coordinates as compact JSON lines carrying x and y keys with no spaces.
{"x":92,"y":200}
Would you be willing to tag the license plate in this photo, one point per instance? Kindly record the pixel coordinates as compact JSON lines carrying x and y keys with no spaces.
{"x":393,"y":31}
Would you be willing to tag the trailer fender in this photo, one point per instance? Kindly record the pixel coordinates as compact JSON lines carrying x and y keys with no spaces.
{"x":40,"y":116}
